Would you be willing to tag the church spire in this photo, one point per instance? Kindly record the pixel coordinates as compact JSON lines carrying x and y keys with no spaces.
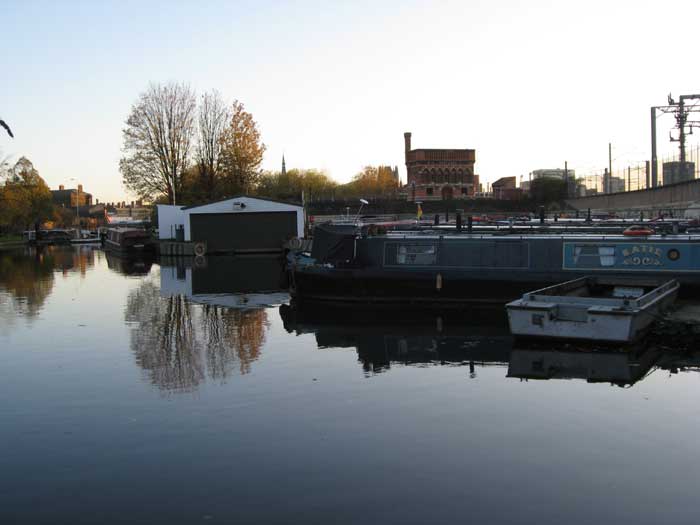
{"x":284,"y":168}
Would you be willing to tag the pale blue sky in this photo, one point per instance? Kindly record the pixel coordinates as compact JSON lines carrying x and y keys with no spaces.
{"x":334,"y":85}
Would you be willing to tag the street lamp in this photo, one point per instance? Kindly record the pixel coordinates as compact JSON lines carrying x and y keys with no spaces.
{"x":77,"y":205}
{"x":362,"y":203}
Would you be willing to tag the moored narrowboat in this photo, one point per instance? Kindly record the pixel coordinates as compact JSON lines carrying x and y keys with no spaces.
{"x":349,"y":265}
{"x":129,"y":240}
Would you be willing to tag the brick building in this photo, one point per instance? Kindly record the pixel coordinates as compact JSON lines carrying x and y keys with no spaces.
{"x":504,"y":189}
{"x":70,"y":198}
{"x":439,"y":174}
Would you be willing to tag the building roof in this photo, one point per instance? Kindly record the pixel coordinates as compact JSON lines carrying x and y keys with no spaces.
{"x":68,"y":192}
{"x":503,"y":181}
{"x":443,"y":149}
{"x":241,"y":197}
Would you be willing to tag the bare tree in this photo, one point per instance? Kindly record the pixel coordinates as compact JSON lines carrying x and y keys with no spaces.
{"x":213,"y":119}
{"x":157,"y":140}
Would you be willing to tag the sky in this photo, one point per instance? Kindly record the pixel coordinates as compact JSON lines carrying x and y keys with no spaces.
{"x":334,"y":85}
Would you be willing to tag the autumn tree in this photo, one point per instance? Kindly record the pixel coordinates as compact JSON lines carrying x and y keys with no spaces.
{"x":372,"y":181}
{"x":241,"y":152}
{"x":290,"y":185}
{"x":25,"y":199}
{"x":157,"y":140}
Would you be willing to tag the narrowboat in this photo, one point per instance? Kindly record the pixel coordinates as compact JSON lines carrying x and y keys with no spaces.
{"x":351,"y":265}
{"x":47,"y":237}
{"x":129,"y":240}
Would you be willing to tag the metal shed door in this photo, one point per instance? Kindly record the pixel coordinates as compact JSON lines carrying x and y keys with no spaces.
{"x":259,"y":231}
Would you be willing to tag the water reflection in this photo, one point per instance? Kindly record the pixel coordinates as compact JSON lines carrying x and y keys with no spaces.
{"x":27,"y":276}
{"x":621,"y":368}
{"x":26,"y":280}
{"x":477,"y":338}
{"x":180,"y":344}
{"x":236,"y":282}
{"x":70,"y":259}
{"x":131,"y":265}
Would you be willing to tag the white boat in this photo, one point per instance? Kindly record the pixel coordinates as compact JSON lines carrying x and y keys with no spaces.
{"x":592,"y":308}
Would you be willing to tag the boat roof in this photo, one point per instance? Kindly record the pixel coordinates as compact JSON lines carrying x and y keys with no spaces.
{"x":515,"y":236}
{"x":122,"y":229}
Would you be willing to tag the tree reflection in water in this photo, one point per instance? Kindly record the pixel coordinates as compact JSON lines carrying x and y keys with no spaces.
{"x":232,"y":336}
{"x":179,"y":344}
{"x":27,"y":276}
{"x":26,"y":280}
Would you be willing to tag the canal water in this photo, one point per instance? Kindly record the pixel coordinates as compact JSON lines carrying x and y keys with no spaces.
{"x":193,"y":392}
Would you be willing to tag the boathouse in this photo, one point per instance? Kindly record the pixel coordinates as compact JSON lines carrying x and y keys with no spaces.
{"x":236,"y":224}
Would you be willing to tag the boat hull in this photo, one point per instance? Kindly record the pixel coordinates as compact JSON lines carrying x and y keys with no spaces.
{"x":581,"y":317}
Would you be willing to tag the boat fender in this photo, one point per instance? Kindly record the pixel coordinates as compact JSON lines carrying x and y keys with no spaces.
{"x":438,"y":282}
{"x":200,"y":261}
{"x":295,"y":243}
{"x":200,"y":249}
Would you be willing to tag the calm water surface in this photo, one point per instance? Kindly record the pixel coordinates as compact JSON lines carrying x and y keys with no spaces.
{"x":135,"y":392}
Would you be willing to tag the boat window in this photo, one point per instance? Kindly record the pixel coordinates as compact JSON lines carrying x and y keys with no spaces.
{"x":594,"y":256}
{"x":415,"y":254}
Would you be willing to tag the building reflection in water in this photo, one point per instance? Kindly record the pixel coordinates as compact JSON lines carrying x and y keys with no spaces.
{"x":477,"y":338}
{"x":71,"y":259}
{"x":206,"y":320}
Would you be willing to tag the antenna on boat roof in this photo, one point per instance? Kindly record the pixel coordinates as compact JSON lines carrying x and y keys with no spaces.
{"x":362,"y":203}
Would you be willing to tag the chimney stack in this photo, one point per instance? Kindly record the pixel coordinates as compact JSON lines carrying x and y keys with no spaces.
{"x":80,"y":187}
{"x":61,"y":187}
{"x":407,"y":141}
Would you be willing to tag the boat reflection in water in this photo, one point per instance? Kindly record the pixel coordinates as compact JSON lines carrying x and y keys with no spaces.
{"x":132,"y":265}
{"x":475,"y":338}
{"x":621,"y":368}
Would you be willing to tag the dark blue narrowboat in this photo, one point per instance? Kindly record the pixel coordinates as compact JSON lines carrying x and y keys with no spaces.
{"x":350,"y":265}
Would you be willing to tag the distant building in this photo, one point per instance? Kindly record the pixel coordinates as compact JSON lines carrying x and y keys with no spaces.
{"x":580,"y":188}
{"x":675,"y":172}
{"x":505,"y":189}
{"x":439,"y":174}
{"x":613,"y":184}
{"x":71,"y":198}
{"x":556,"y":173}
